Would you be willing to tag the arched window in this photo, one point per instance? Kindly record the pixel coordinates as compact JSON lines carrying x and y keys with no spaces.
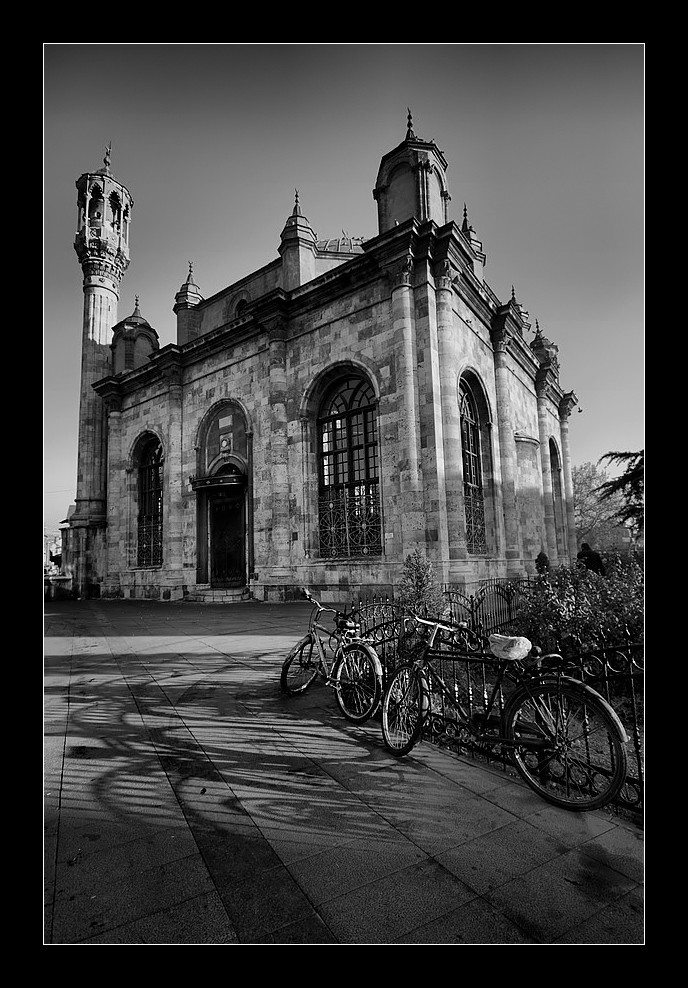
{"x":149,"y":527}
{"x":557,"y":497}
{"x":225,"y":436}
{"x":349,"y":501}
{"x":473,"y":496}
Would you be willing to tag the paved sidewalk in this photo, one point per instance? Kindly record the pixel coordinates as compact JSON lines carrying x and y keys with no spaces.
{"x":188,"y":801}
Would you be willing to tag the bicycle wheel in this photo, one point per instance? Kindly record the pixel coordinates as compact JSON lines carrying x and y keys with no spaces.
{"x":574,"y":747}
{"x":300,"y":667}
{"x":357,"y":683}
{"x":402,"y":710}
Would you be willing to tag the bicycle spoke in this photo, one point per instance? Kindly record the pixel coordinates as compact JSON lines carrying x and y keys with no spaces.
{"x":357,"y":684}
{"x":571,"y":751}
{"x":402,"y":711}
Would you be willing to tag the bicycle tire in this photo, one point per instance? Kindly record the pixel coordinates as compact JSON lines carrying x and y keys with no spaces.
{"x":583,"y":762}
{"x":300,"y":667}
{"x":358,"y":687}
{"x":402,"y":710}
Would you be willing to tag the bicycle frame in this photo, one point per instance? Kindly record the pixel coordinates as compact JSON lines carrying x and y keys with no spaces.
{"x":343,"y":636}
{"x":315,"y":629}
{"x":482,"y":726}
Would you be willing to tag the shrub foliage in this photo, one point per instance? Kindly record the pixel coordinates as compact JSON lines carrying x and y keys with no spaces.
{"x":571,"y":608}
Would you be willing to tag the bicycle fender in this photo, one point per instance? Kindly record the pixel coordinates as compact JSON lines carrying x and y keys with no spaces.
{"x":569,"y":681}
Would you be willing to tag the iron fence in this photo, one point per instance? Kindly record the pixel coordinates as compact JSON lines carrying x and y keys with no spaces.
{"x":614,"y":670}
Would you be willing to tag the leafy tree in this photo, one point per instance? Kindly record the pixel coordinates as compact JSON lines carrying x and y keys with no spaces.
{"x":596,"y":518}
{"x":629,"y":486}
{"x":418,"y":590}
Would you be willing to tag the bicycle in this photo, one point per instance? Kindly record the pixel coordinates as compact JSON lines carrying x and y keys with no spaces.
{"x":354,"y":670}
{"x":566,"y":741}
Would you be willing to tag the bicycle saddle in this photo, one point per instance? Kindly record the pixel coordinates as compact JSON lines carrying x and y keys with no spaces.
{"x":510,"y":647}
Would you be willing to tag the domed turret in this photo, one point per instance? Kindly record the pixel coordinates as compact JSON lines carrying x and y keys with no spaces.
{"x":133,"y":342}
{"x":411,"y":182}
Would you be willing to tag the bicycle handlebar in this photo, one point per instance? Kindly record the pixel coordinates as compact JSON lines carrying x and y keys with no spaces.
{"x":307,"y":595}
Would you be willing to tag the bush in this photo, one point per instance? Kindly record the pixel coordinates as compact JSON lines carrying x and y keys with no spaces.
{"x":573,"y":608}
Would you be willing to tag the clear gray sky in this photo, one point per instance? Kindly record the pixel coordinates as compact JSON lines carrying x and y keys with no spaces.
{"x":545,"y":145}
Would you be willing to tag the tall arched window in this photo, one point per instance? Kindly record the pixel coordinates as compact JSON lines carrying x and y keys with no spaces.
{"x":473,"y":496}
{"x":349,"y":501}
{"x":149,"y":527}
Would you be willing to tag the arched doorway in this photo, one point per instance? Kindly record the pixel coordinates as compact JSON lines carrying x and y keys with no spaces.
{"x":222,"y":486}
{"x":226,"y":501}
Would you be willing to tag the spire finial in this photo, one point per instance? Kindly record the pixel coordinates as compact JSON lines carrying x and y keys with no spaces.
{"x":410,"y":136}
{"x":465,"y":226}
{"x":297,"y":207}
{"x":513,"y":294}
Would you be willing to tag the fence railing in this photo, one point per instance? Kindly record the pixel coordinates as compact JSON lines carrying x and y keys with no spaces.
{"x":615,"y":671}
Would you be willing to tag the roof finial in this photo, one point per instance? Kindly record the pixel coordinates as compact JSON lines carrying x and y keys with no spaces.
{"x":106,"y":159}
{"x":136,"y":303}
{"x":410,"y":136}
{"x":189,"y":280}
{"x":513,"y":294}
{"x":465,"y":227}
{"x":297,"y":207}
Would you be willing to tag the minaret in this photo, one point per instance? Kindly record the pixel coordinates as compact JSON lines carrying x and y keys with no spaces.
{"x":102,"y":245}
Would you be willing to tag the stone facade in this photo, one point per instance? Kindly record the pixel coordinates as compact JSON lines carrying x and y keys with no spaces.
{"x":458,"y":444}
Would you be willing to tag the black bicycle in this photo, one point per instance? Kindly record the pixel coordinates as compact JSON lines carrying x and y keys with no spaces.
{"x":566,"y":741}
{"x":346,"y":662}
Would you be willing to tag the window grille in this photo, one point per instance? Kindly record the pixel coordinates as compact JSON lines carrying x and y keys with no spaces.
{"x":149,"y":532}
{"x":474,"y":503}
{"x":349,"y":496}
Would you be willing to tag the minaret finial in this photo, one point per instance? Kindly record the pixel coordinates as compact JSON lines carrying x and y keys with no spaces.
{"x":136,"y":304}
{"x":297,"y":207}
{"x":189,"y":279}
{"x":410,"y":136}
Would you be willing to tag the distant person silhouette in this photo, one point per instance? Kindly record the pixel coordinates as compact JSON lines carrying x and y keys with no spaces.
{"x":590,"y":559}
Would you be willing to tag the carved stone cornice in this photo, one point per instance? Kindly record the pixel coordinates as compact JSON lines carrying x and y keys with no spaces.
{"x":506,"y":324}
{"x":546,"y":384}
{"x":108,"y":389}
{"x":445,"y":276}
{"x":401,"y":273}
{"x":567,"y":404}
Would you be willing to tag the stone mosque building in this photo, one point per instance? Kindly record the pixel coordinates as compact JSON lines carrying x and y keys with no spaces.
{"x":319,"y":419}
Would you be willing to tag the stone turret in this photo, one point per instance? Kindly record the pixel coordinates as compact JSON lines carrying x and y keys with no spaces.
{"x":185,"y":302}
{"x":297,"y":249}
{"x":411,"y":182}
{"x":133,"y":342}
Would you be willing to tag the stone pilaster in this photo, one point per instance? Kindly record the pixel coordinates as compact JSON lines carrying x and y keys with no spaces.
{"x":507,"y":449}
{"x":566,"y":406}
{"x":174,"y":487}
{"x":412,"y":518}
{"x":279,"y":552}
{"x":542,"y":389}
{"x":449,"y":363}
{"x":430,"y":414}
